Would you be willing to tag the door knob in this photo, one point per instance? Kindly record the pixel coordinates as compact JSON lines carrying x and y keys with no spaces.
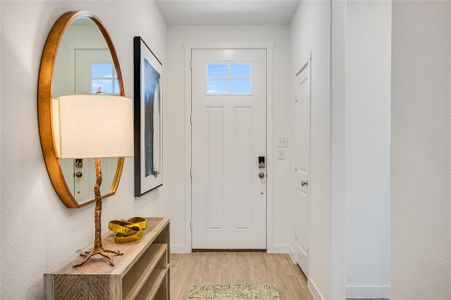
{"x":261,"y":175}
{"x":304,"y":183}
{"x":78,"y":174}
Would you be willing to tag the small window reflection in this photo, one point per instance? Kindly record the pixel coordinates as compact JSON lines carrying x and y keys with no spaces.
{"x":102,"y":86}
{"x":116,"y":87}
{"x":102,"y":70}
{"x":104,"y":79}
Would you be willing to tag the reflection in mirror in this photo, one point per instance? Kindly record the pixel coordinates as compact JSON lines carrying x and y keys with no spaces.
{"x":84,"y":65}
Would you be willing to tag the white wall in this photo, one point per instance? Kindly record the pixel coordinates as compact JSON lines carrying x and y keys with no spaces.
{"x":367,"y":142}
{"x":1,"y":143}
{"x":421,"y":151}
{"x":175,"y":106}
{"x":310,"y":31}
{"x":38,"y":231}
{"x":338,"y":149}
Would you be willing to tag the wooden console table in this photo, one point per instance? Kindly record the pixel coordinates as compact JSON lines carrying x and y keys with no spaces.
{"x":141,"y":273}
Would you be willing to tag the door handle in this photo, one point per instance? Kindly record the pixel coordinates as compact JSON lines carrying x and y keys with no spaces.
{"x":304,"y":183}
{"x":78,"y":174}
{"x":261,"y":175}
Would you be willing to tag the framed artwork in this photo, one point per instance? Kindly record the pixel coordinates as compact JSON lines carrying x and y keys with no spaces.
{"x":148,"y":118}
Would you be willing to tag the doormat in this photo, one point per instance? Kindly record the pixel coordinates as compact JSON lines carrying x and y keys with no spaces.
{"x":234,"y":292}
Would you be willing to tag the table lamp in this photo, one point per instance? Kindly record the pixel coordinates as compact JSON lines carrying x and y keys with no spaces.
{"x":94,"y":126}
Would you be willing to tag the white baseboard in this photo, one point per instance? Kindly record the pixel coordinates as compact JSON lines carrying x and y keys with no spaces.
{"x":292,"y":255}
{"x":368,"y":291}
{"x":278,"y":248}
{"x":180,"y":248}
{"x":314,"y":290}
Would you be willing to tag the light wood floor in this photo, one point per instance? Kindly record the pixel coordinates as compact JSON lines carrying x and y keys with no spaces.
{"x":237,"y":268}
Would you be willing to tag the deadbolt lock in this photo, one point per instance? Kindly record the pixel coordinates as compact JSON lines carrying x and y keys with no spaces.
{"x":261,"y":162}
{"x":79,"y":163}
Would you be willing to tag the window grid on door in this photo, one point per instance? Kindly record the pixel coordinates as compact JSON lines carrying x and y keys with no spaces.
{"x":229,"y":79}
{"x":104,"y":79}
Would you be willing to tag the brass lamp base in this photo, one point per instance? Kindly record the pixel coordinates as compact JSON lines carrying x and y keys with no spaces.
{"x":98,"y":249}
{"x":101,"y":252}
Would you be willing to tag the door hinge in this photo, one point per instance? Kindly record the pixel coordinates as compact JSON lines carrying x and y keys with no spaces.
{"x":191,"y":64}
{"x":190,"y":172}
{"x":190,"y":225}
{"x":191,"y":119}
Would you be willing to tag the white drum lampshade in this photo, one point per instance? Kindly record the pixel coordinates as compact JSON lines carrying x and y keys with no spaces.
{"x":93,"y":126}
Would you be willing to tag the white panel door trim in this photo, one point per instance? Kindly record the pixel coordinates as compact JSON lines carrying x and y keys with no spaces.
{"x":269,"y":46}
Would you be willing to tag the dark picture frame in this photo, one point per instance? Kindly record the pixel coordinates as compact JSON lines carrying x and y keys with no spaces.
{"x":148,"y":118}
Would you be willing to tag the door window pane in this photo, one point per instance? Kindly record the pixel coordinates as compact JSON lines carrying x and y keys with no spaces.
{"x":218,"y":86}
{"x":240,"y":70}
{"x":242,"y":87}
{"x":218,"y":70}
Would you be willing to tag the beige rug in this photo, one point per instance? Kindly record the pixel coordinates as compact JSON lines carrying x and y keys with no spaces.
{"x":234,"y":292}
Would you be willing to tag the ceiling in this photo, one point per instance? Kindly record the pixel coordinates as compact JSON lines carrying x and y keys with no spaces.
{"x":231,"y":12}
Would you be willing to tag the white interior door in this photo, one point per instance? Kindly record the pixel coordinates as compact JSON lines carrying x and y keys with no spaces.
{"x":302,"y":167}
{"x":228,"y":137}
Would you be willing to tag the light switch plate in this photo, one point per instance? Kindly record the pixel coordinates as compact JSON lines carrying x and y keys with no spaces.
{"x":282,"y":142}
{"x":280,"y":154}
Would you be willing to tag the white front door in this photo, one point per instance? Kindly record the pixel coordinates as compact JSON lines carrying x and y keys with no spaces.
{"x":228,"y":139}
{"x":301,"y":212}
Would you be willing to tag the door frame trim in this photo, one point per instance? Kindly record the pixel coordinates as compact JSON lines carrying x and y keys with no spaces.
{"x":269,"y":47}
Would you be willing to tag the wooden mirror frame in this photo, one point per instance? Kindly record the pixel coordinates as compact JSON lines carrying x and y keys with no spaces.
{"x":45,"y":87}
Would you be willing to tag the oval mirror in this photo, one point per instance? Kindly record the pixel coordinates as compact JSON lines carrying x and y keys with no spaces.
{"x":78,"y":58}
